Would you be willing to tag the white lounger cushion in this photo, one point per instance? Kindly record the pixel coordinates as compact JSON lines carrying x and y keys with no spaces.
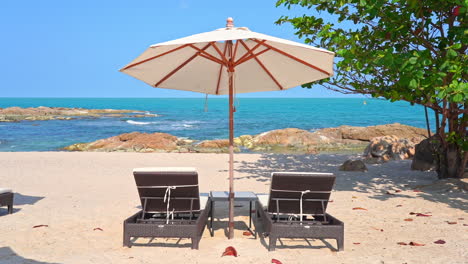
{"x":165,"y":169}
{"x":3,"y":190}
{"x":263,"y":199}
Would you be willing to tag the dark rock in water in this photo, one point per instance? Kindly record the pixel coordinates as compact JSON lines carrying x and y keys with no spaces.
{"x":424,"y":158}
{"x":42,"y":113}
{"x":353,"y":165}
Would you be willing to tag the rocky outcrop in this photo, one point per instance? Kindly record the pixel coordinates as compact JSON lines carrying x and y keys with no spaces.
{"x":288,"y":140}
{"x":367,"y":133}
{"x":424,"y":159}
{"x":133,"y":142}
{"x":390,"y":147}
{"x":41,"y":113}
{"x":353,"y":165}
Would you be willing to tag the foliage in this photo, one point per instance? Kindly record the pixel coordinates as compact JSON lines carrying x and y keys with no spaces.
{"x":412,"y":50}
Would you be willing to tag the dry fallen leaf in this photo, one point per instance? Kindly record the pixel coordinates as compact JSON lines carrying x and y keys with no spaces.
{"x":359,"y":208}
{"x":98,"y":228}
{"x":354,"y":197}
{"x":451,"y":223}
{"x":416,"y":244}
{"x":246,"y":233}
{"x":36,"y":226}
{"x":399,"y":205}
{"x":378,"y":229}
{"x":402,"y":244}
{"x":425,"y":215}
{"x":440,"y":241}
{"x":356,"y":243}
{"x":230,"y":251}
{"x":461,"y":218}
{"x":417,"y":191}
{"x":275,"y":261}
{"x":465,"y":224}
{"x":397,"y":191}
{"x":409,"y":219}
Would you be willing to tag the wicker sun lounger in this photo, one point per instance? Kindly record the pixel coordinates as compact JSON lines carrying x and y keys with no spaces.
{"x":172,"y":205}
{"x":6,"y":199}
{"x":296,"y":208}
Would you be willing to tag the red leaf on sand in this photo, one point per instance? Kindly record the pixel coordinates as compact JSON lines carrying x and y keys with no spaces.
{"x":409,"y":219}
{"x":440,"y":241}
{"x":98,"y":228}
{"x":275,"y":261}
{"x":331,"y":201}
{"x":359,"y":208}
{"x":356,"y":243}
{"x":465,"y":224}
{"x":417,"y":191}
{"x":36,"y":226}
{"x":412,"y":213}
{"x":402,"y":244}
{"x":397,"y":190}
{"x":230,"y":251}
{"x":426,"y":215}
{"x":451,"y":223}
{"x":246,"y":233}
{"x":416,"y":244}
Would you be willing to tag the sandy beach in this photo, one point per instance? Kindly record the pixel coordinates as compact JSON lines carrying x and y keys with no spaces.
{"x":75,"y":193}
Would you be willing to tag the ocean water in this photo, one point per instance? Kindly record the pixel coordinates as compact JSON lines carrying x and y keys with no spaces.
{"x":186,"y":117}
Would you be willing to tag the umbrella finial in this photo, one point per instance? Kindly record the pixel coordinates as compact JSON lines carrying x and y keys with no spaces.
{"x":229,"y":22}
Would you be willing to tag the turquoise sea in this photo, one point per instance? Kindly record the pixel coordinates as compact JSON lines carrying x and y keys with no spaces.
{"x":187,"y":118}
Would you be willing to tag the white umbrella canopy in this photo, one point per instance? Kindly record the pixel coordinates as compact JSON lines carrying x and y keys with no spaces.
{"x":262,"y":63}
{"x":230,"y":61}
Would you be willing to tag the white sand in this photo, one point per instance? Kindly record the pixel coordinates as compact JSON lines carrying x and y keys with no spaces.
{"x":73,"y":193}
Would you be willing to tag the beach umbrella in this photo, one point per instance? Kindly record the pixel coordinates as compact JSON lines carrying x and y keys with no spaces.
{"x":229,"y":61}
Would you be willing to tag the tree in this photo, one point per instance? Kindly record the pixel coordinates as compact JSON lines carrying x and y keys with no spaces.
{"x":411,"y":50}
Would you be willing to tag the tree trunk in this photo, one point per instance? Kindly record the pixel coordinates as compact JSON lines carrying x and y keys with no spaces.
{"x":451,"y":162}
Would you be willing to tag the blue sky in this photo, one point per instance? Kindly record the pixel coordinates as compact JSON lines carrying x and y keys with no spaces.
{"x":75,"y":48}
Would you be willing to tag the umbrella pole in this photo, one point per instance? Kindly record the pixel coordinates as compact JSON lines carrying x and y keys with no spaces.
{"x":231,"y":151}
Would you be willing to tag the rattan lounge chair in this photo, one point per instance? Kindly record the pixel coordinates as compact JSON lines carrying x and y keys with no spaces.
{"x":6,"y":199}
{"x":296,"y":208}
{"x":172,"y":205}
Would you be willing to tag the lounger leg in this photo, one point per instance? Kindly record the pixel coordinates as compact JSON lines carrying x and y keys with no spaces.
{"x":10,"y":209}
{"x":272,"y":244}
{"x":126,"y":240}
{"x":340,"y":243}
{"x":195,"y":242}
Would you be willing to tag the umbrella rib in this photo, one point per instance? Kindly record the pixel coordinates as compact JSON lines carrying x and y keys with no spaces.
{"x":220,"y":72}
{"x":154,"y":57}
{"x":292,"y":57}
{"x":181,"y":66}
{"x":223,"y":57}
{"x":246,"y":54}
{"x":239,"y":62}
{"x":261,"y":64}
{"x":206,"y":55}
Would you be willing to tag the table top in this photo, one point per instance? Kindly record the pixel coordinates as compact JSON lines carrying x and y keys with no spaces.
{"x":238,"y":196}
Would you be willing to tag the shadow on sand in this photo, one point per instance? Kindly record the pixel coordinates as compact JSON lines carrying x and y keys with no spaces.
{"x":7,"y":256}
{"x":20,"y":199}
{"x":393,"y":175}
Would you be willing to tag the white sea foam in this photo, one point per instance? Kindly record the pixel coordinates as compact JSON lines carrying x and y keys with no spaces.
{"x":138,"y":122}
